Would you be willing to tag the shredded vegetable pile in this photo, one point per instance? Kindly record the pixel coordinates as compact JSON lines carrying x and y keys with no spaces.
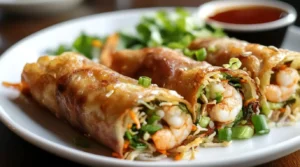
{"x":174,"y":30}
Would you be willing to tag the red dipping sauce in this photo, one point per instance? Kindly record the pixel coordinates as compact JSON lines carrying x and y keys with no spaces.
{"x":249,"y":15}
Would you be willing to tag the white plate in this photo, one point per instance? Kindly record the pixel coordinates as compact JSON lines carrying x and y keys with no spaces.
{"x":39,"y":127}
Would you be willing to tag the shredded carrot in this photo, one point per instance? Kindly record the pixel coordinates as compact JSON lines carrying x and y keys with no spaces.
{"x":129,"y":126}
{"x":243,"y":81}
{"x":126,"y":144}
{"x":22,"y":86}
{"x":282,"y":110}
{"x":178,"y":157}
{"x":249,"y":101}
{"x":225,"y":81}
{"x":194,"y":127}
{"x":97,"y":43}
{"x":135,"y":119}
{"x":282,"y":67}
{"x":163,"y":152}
{"x":116,"y":155}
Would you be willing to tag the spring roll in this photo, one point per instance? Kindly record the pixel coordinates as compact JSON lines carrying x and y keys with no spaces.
{"x":276,"y":71}
{"x":215,"y":93}
{"x":134,"y":121}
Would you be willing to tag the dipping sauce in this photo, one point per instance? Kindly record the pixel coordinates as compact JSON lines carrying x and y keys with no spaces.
{"x":249,"y":15}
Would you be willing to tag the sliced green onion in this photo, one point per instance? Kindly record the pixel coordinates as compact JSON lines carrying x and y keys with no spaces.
{"x":238,"y":118}
{"x":233,"y":81}
{"x":275,"y":106}
{"x":188,"y":52}
{"x":204,"y":121}
{"x":212,"y":49}
{"x":265,"y":107}
{"x":235,"y":85}
{"x":260,"y":124}
{"x":151,"y":128}
{"x":175,"y":45}
{"x":242,"y":132}
{"x":200,"y":54}
{"x":183,"y":107}
{"x":128,"y":135}
{"x":144,"y":81}
{"x":152,"y":119}
{"x":199,"y":92}
{"x":138,"y":145}
{"x":219,"y":97}
{"x":234,"y":64}
{"x":225,"y":134}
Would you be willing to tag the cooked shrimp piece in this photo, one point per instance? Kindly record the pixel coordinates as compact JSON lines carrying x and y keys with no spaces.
{"x":286,"y":84}
{"x":229,"y":107}
{"x":180,"y":126}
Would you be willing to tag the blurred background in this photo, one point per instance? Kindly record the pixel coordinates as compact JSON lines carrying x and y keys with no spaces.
{"x":18,"y":20}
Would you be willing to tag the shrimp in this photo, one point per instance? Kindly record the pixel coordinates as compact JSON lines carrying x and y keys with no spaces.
{"x":286,"y":84}
{"x":180,"y":126}
{"x":230,"y":106}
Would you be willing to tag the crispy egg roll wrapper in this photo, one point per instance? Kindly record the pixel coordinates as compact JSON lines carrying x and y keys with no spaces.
{"x":172,"y":70}
{"x":258,"y":60}
{"x":90,"y":96}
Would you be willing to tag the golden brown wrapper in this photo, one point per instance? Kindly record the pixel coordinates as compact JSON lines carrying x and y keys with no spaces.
{"x":90,"y":96}
{"x":258,"y":60}
{"x":172,"y":70}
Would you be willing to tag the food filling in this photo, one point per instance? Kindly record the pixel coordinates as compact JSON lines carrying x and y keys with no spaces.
{"x":283,"y":95}
{"x":156,"y":127}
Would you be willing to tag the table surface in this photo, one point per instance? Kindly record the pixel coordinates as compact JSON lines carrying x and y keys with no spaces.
{"x":14,"y":151}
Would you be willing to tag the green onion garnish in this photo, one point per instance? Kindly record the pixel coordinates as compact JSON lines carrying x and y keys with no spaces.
{"x":138,"y":145}
{"x":260,"y":124}
{"x":234,"y":64}
{"x":275,"y":106}
{"x":200,"y":54}
{"x":204,"y":121}
{"x":200,"y":91}
{"x":187,"y":52}
{"x":212,"y":49}
{"x":144,"y":81}
{"x":152,"y":119}
{"x":151,"y":128}
{"x":238,"y":118}
{"x":242,"y":132}
{"x":225,"y":134}
{"x":128,"y":135}
{"x":219,"y":97}
{"x":183,"y":107}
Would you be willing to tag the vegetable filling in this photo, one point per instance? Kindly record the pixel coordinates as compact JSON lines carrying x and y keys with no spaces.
{"x":156,"y":127}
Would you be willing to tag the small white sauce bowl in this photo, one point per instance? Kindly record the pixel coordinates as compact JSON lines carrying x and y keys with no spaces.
{"x":249,"y":31}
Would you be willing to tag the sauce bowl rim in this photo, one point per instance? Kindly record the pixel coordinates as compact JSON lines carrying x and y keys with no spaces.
{"x":209,"y":8}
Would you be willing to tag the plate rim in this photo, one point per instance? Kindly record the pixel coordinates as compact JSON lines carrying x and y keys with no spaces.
{"x":89,"y":158}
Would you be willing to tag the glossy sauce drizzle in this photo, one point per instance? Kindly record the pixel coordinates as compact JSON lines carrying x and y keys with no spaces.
{"x":249,"y":15}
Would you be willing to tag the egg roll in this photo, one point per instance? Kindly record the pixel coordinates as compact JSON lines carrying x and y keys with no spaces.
{"x":217,"y":93}
{"x":136,"y":122}
{"x":275,"y":70}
